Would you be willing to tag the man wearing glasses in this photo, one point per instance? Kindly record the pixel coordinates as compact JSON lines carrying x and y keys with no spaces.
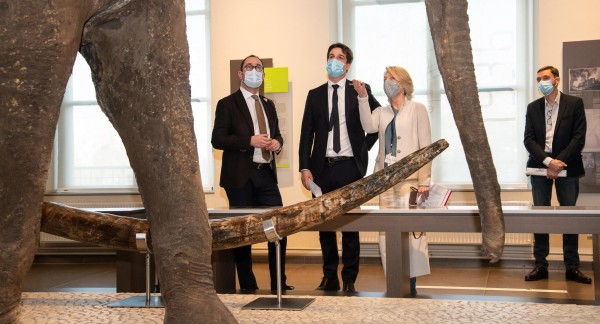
{"x":555,"y":127}
{"x":247,"y":130}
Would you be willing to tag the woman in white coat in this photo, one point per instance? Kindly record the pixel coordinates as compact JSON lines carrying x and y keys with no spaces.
{"x":403,"y":127}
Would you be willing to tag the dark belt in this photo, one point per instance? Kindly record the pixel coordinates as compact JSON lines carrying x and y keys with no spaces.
{"x":259,"y":166}
{"x":336,"y":159}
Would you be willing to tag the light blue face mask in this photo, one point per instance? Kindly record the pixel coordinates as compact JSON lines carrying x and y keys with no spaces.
{"x":335,"y":68}
{"x":546,"y":87}
{"x":253,"y":79}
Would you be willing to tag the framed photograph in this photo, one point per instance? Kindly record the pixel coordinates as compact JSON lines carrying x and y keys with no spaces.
{"x":581,"y":77}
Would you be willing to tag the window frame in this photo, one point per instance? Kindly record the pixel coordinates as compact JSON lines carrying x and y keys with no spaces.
{"x":520,"y":87}
{"x":63,"y":150}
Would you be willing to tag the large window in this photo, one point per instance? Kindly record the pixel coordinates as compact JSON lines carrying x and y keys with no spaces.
{"x":89,"y":155}
{"x":384,"y":33}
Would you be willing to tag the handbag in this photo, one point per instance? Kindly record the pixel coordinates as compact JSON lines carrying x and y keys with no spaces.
{"x":418,"y":254}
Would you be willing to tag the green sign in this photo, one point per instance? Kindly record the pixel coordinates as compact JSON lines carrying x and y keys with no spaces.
{"x":276,"y":79}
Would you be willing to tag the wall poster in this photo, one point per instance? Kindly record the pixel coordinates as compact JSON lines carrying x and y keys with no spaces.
{"x":581,"y":77}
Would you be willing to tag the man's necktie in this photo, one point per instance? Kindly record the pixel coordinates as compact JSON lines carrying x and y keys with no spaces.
{"x":334,"y":120}
{"x":262,"y":126}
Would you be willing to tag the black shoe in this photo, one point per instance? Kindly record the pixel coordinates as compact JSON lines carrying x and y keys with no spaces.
{"x":249,"y":288}
{"x":576,"y":275}
{"x":283,"y":287}
{"x":349,"y":286}
{"x":329,"y":284}
{"x":538,"y":273}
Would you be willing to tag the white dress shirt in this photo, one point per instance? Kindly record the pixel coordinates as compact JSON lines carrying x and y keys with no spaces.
{"x":345,"y":147}
{"x":257,"y":157}
{"x":550,"y":115}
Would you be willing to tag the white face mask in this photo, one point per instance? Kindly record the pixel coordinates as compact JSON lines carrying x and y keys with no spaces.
{"x":253,"y":79}
{"x":391,"y":88}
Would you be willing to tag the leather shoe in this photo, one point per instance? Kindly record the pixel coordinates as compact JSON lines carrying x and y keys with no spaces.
{"x":329,"y":284}
{"x":538,"y":273}
{"x":349,"y":286}
{"x":283,"y":287}
{"x":576,"y":275}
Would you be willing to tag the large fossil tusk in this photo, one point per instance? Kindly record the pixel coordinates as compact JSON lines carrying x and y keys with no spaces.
{"x":119,"y":231}
{"x":244,"y":230}
{"x":102,"y":229}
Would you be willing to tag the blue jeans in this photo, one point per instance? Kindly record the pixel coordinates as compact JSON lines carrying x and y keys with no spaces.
{"x":567,"y":191}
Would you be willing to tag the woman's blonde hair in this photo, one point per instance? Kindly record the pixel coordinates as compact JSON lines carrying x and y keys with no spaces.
{"x":401,"y":75}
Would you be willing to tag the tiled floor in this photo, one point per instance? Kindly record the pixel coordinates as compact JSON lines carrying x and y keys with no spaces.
{"x":475,"y":283}
{"x":92,"y":308}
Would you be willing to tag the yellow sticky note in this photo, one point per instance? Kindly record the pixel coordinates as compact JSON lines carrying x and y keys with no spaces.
{"x":276,"y":79}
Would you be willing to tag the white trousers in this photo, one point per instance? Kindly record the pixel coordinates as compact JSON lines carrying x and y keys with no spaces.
{"x":397,"y":197}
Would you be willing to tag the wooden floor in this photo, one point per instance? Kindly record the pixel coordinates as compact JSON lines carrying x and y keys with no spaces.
{"x":84,"y":274}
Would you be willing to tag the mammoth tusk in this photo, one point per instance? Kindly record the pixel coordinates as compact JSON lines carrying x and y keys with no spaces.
{"x":119,"y":231}
{"x":244,"y":230}
{"x":92,"y":227}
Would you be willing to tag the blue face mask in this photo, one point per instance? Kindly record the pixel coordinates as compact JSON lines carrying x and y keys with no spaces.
{"x":253,"y":79}
{"x":335,"y":68}
{"x":546,"y":87}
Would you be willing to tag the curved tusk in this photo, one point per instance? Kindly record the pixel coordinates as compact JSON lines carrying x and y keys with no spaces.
{"x":94,"y":228}
{"x":119,"y":231}
{"x":244,"y":230}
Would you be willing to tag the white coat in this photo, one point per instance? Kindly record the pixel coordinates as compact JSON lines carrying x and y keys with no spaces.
{"x":413,"y":132}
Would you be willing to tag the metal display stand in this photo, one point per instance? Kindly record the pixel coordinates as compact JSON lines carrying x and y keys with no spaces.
{"x":278,"y":303}
{"x":142,"y":301}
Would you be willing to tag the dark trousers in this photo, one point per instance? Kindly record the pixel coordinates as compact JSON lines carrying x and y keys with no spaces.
{"x":335,"y":176}
{"x":259,"y":191}
{"x":567,"y":191}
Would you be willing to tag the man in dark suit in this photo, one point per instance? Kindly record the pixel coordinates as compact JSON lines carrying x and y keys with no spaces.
{"x":555,"y":127}
{"x":333,"y":153}
{"x":247,"y":130}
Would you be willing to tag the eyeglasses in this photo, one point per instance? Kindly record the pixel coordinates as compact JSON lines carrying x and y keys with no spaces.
{"x":250,"y":67}
{"x":549,"y":119}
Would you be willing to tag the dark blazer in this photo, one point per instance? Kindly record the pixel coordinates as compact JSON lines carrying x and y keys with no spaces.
{"x":569,"y":134}
{"x":315,"y":129}
{"x":231,"y":133}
